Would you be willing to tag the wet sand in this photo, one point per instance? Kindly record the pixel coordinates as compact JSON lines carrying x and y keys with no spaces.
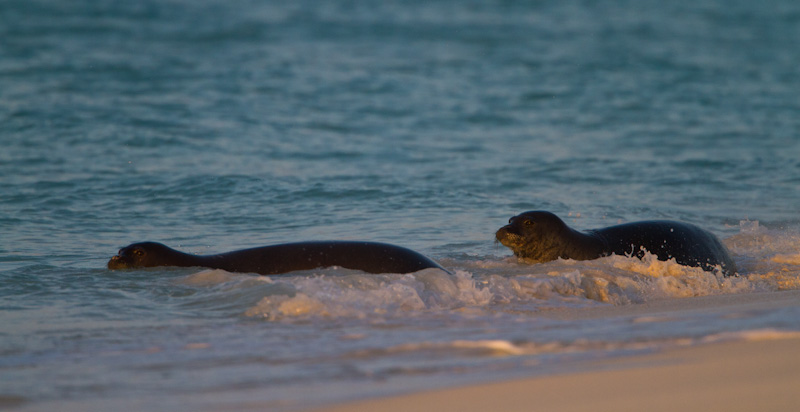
{"x":756,"y":370}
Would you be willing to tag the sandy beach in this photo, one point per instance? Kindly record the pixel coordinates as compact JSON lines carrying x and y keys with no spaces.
{"x":757,"y":370}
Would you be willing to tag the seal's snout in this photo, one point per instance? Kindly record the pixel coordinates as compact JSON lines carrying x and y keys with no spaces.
{"x":507,"y":236}
{"x":506,"y":231}
{"x":116,"y":262}
{"x":501,"y":234}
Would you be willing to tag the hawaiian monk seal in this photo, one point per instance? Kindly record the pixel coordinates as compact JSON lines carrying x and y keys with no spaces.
{"x":288,"y":257}
{"x":542,"y":237}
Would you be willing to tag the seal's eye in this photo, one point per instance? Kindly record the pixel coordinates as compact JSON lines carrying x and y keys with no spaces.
{"x":138,"y":252}
{"x":528,"y":222}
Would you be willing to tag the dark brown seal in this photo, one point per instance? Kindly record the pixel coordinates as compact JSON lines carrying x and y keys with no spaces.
{"x":369,"y":257}
{"x":541,"y":236}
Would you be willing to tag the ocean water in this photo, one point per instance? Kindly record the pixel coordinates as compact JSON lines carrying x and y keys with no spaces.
{"x":214,"y":125}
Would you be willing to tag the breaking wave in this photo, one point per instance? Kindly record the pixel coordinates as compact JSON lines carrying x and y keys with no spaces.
{"x":767,"y":258}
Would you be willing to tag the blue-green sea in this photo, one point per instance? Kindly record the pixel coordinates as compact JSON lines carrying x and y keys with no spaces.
{"x":213,"y":125}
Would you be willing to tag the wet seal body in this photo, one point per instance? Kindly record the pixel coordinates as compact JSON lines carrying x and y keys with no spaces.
{"x":369,"y":257}
{"x":541,"y":236}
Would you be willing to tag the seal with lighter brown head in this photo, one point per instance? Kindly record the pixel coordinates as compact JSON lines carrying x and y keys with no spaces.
{"x":541,"y":236}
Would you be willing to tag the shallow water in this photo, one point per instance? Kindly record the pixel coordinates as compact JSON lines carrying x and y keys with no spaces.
{"x":212,"y":126}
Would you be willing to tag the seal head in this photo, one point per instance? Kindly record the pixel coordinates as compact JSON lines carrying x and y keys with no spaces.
{"x":142,"y":255}
{"x":541,"y":236}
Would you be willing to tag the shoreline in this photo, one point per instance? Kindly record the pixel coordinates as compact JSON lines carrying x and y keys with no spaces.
{"x":754,"y":370}
{"x":733,"y":376}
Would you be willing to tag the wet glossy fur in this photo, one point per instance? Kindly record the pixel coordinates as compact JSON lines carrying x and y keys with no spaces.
{"x":369,"y":257}
{"x":541,"y":236}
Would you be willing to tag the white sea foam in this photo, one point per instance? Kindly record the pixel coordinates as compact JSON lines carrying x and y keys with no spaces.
{"x":505,"y":348}
{"x":494,"y":347}
{"x":789,"y":259}
{"x":752,"y":335}
{"x":618,"y":282}
{"x":361,"y":295}
{"x":208,"y":277}
{"x":768,"y":257}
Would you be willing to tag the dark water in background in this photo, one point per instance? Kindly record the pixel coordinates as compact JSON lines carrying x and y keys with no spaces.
{"x":212,"y":125}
